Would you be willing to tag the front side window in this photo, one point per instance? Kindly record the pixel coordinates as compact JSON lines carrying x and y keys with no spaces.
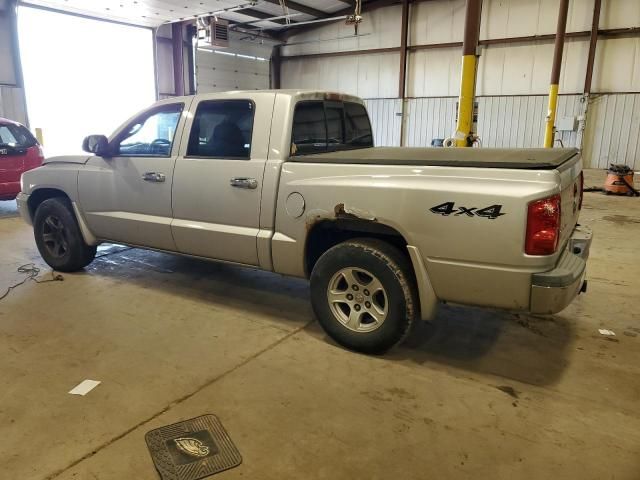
{"x":151,"y":135}
{"x":320,"y":126}
{"x":222,"y":129}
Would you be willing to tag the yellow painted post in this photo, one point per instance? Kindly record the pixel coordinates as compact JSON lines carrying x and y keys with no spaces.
{"x":39,"y":136}
{"x":465,"y":101}
{"x":550,"y":120}
{"x":549,"y":132}
{"x":464,"y":127}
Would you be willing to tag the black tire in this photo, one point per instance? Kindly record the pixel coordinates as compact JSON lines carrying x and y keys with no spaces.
{"x":384,"y":263}
{"x":58,"y":236}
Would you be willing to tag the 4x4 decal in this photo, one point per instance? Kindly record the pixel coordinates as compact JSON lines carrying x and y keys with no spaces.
{"x":448,"y":208}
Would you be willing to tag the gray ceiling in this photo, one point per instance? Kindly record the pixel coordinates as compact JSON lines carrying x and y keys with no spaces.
{"x":153,"y":13}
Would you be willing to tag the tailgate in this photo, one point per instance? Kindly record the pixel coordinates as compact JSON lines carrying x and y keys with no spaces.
{"x":571,"y":195}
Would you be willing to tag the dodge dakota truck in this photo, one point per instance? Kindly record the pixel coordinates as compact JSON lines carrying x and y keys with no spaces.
{"x":289,"y":181}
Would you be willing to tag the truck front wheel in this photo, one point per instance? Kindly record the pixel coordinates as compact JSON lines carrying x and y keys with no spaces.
{"x":58,"y":236}
{"x":363,"y":294}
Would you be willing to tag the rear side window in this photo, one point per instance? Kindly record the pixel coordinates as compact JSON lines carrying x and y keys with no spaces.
{"x":357,"y":126}
{"x":16,"y":136}
{"x":309,"y":129}
{"x":222,"y":129}
{"x":320,"y":126}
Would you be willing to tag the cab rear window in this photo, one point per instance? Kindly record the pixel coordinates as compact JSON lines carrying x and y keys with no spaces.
{"x":329,"y":126}
{"x":16,"y":136}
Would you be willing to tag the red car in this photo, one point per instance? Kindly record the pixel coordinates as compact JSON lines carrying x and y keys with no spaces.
{"x":19,"y":152}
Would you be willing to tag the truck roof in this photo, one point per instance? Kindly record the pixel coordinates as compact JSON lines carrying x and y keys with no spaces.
{"x":290,"y":92}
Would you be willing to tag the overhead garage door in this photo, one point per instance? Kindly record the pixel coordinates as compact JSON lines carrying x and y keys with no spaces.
{"x":242,"y":66}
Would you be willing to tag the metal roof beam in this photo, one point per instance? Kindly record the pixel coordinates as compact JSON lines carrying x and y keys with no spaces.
{"x":298,"y":7}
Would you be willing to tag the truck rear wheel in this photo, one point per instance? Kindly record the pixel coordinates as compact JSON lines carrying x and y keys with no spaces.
{"x":363,"y":294}
{"x":58,"y":236}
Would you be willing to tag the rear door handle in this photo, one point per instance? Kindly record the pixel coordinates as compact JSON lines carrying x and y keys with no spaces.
{"x":244,"y":182}
{"x":154,"y":177}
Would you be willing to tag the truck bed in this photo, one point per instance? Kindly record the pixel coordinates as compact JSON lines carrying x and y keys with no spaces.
{"x":509,"y":158}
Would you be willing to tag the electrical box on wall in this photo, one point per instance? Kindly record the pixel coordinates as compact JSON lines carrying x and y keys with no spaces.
{"x":567,"y":124}
{"x":213,"y":32}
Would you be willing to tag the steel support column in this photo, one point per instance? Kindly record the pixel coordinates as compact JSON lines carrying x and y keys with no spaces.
{"x":402,"y":77}
{"x":192,"y":33}
{"x":464,"y":129}
{"x":550,"y":120}
{"x":177,"y":42}
{"x":593,"y":41}
{"x":275,"y":68}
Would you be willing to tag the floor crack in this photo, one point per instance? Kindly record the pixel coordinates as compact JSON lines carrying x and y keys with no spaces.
{"x":178,"y":401}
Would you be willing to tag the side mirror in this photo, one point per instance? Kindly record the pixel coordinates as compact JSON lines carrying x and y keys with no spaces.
{"x":96,"y":144}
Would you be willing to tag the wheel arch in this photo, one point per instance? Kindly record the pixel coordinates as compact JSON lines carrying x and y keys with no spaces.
{"x":327,"y":233}
{"x":41,"y":194}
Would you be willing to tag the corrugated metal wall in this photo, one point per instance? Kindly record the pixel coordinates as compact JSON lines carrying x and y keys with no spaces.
{"x":505,"y":121}
{"x":384,"y":114}
{"x":12,"y":100}
{"x":512,"y":78}
{"x":612,"y":134}
{"x":12,"y":104}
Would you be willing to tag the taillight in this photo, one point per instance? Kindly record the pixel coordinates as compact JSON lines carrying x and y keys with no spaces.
{"x":40,"y":152}
{"x":581,"y":190}
{"x":543,"y":226}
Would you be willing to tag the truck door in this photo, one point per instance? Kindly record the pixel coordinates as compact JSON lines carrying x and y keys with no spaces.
{"x":127,"y":197}
{"x":218,"y":178}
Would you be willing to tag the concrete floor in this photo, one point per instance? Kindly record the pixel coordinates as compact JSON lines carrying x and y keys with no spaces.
{"x":476,"y":394}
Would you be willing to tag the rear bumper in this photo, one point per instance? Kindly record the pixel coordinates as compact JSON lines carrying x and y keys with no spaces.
{"x":8,"y":191}
{"x":554,"y":290}
{"x":23,"y":207}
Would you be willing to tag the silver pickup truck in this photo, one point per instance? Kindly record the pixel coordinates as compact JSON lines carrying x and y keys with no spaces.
{"x":289,"y":181}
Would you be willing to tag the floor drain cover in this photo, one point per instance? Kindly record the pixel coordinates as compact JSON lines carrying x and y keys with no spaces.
{"x":192,"y":449}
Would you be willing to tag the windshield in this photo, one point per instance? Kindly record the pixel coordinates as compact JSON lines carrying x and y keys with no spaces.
{"x":328,"y":126}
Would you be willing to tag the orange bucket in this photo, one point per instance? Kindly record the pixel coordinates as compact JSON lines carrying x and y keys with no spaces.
{"x":620,"y":181}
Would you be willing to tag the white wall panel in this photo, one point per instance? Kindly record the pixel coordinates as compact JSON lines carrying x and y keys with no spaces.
{"x":620,"y":14}
{"x":368,"y":76}
{"x":613,"y":131}
{"x":443,"y":21}
{"x":525,"y":68}
{"x":515,"y":69}
{"x":434,"y":73}
{"x":617,"y":65}
{"x":385,"y":121}
{"x":429,"y":118}
{"x":436,"y":22}
{"x":12,"y":104}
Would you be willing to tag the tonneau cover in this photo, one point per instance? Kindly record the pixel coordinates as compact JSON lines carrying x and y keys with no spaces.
{"x":512,"y":158}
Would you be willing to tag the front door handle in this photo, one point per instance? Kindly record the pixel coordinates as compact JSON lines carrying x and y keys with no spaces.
{"x":154,"y":177}
{"x":244,"y":182}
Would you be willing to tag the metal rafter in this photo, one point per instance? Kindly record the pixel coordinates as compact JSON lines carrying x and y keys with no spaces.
{"x":298,"y":7}
{"x":258,"y":15}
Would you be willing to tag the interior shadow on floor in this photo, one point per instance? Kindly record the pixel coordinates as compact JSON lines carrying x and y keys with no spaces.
{"x":244,"y":289}
{"x":527,"y":348}
{"x":8,"y":209}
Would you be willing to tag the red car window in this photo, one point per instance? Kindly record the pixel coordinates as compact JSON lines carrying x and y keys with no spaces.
{"x":16,"y":136}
